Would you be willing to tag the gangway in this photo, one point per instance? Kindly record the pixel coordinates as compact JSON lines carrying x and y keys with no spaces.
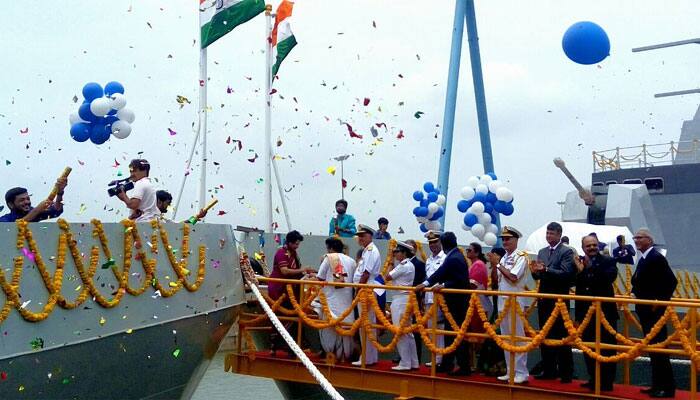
{"x":250,"y":358}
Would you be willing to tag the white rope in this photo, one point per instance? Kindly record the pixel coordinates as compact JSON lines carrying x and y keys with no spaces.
{"x":292,"y":345}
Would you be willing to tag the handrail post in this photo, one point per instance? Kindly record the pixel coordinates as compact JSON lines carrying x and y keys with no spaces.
{"x":617,"y":157}
{"x":363,"y":334}
{"x":644,"y":153}
{"x":673,"y":153}
{"x":513,"y":316}
{"x":301,"y":303}
{"x":626,"y":364}
{"x":594,"y":162}
{"x":597,"y":346}
{"x":433,"y":334}
{"x":693,"y":344}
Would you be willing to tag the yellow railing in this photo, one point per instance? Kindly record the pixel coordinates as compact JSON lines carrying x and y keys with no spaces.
{"x":645,"y":155}
{"x":681,"y":342}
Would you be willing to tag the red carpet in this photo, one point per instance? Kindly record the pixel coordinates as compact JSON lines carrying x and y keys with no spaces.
{"x":620,"y":391}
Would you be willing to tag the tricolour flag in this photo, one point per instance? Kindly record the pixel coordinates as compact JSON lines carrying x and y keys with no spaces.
{"x":282,"y":38}
{"x":219,"y":17}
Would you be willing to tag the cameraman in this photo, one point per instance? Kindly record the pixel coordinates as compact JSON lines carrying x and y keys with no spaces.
{"x":143,"y":196}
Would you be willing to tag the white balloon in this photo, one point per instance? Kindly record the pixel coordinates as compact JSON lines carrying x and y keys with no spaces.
{"x":486,"y":179}
{"x":422,"y":220}
{"x":432,"y":208}
{"x":478,"y":230}
{"x":472,"y":181}
{"x":118,"y":101}
{"x":100,"y":106}
{"x":484,"y":219}
{"x":481,"y":188}
{"x":441,"y":200}
{"x":490,"y":239}
{"x":493,"y":228}
{"x":494,"y":185}
{"x":504,"y":194}
{"x":466,"y":228}
{"x":467,"y":193}
{"x":74,"y":118}
{"x":121,"y":129}
{"x":477,"y":208}
{"x":126,"y":115}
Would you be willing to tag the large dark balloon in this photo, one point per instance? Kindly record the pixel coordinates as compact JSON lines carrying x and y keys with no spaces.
{"x":80,"y":131}
{"x":100,"y":133}
{"x":586,"y":43}
{"x":91,"y":91}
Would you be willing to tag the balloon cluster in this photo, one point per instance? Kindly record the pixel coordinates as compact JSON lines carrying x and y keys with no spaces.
{"x":102,"y":114}
{"x":483,"y":199}
{"x":430,"y":208}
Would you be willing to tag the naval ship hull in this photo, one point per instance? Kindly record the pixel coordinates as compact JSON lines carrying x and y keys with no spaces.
{"x":146,"y":347}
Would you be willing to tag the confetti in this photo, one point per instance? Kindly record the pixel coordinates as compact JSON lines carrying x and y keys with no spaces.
{"x":259,"y":180}
{"x":116,"y":163}
{"x":172,"y":132}
{"x":8,"y":162}
{"x":109,"y":263}
{"x":82,"y":209}
{"x":65,"y":381}
{"x":102,"y":320}
{"x":21,"y":388}
{"x":400,"y":135}
{"x":27,"y":253}
{"x":366,"y":101}
{"x":221,"y":212}
{"x":3,"y":376}
{"x":418,"y":114}
{"x":352,"y":133}
{"x":24,"y":131}
{"x":176,"y":353}
{"x":331,"y":170}
{"x":37,"y":343}
{"x":254,"y":158}
{"x":172,"y":284}
{"x":182,"y":100}
{"x":229,"y":90}
{"x":215,"y":263}
{"x":129,"y":331}
{"x":25,"y":304}
{"x":344,"y":183}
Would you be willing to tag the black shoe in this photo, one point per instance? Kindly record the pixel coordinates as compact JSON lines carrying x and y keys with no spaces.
{"x":566,"y":379}
{"x":444,"y":368}
{"x":648,"y":390}
{"x":460,"y":372}
{"x":659,"y":394}
{"x":544,"y":376}
{"x":588,"y":385}
{"x":606,"y":388}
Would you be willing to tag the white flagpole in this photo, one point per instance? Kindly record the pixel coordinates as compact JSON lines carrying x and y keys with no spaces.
{"x":203,"y":125}
{"x":281,"y":192}
{"x":268,"y":122}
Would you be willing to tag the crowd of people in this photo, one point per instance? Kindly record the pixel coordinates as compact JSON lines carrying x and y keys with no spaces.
{"x":143,"y":201}
{"x":557,"y":267}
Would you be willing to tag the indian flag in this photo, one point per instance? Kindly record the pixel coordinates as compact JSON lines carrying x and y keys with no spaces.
{"x":219,"y":17}
{"x":282,"y":38}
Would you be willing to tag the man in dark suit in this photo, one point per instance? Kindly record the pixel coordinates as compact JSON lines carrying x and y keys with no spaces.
{"x":556,"y":272}
{"x":596,"y":276}
{"x":654,"y":280}
{"x":452,"y":274}
{"x":418,"y":278}
{"x":624,"y":253}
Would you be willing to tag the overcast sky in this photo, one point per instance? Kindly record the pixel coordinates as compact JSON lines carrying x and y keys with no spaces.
{"x":540,"y":104}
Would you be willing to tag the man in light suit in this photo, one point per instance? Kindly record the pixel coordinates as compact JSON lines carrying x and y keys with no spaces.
{"x":452,"y":274}
{"x":556,"y":272}
{"x":654,"y":280}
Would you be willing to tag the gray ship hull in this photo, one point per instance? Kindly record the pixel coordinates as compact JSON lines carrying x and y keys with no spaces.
{"x":148,"y":346}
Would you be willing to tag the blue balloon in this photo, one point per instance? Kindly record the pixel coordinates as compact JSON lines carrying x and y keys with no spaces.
{"x":508,"y":210}
{"x":423,"y":228}
{"x":499,"y":206}
{"x":113,"y":87}
{"x":423,"y":211}
{"x":424,"y":203}
{"x":100,"y":133}
{"x":438,"y":214}
{"x":80,"y":131}
{"x":428,"y":187}
{"x":463,"y":205}
{"x":586,"y":43}
{"x":488,"y":208}
{"x":417,"y":195}
{"x":91,"y":91}
{"x":494,"y":217}
{"x":492,"y":175}
{"x":479,"y":197}
{"x":112,"y":112}
{"x":432,"y":197}
{"x":85,"y":114}
{"x":436,"y":191}
{"x":470,"y":219}
{"x":416,"y":211}
{"x":491,"y":198}
{"x":109,"y":120}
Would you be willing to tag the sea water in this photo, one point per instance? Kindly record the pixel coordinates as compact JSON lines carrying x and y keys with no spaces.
{"x":220,"y":385}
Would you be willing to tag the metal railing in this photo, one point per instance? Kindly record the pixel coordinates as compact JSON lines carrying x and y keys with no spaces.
{"x":646,"y":155}
{"x":681,"y":342}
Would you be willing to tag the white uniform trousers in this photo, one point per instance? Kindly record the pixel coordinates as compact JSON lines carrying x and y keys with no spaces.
{"x":332,"y":342}
{"x":371,"y":356}
{"x":406,"y":344}
{"x":521,"y":370}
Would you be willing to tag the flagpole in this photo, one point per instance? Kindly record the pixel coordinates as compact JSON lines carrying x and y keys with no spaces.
{"x":203,"y":125}
{"x":281,"y":192}
{"x":268,"y":121}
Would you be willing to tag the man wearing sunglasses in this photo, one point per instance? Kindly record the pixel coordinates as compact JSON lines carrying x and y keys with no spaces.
{"x":142,"y":202}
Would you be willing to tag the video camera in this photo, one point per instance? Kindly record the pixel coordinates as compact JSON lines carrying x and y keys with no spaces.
{"x":121,"y":185}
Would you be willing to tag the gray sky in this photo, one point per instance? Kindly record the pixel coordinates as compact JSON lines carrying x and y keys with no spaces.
{"x":540,"y":104}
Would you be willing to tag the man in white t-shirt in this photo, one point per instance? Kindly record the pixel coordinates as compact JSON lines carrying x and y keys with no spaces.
{"x":142,"y":202}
